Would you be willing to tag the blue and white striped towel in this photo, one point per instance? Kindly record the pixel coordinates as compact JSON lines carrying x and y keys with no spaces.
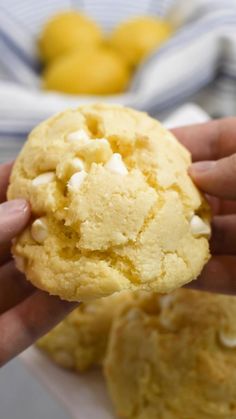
{"x":197,"y":64}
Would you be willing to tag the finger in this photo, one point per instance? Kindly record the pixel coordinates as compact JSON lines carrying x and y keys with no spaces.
{"x":5,"y":170}
{"x":23,"y":325}
{"x":216,"y":178}
{"x":14,"y":216}
{"x":218,"y":276}
{"x":221,"y":206}
{"x":13,"y":287}
{"x":209,"y":141}
{"x":227,"y":207}
{"x":223,"y":240}
{"x":5,"y":253}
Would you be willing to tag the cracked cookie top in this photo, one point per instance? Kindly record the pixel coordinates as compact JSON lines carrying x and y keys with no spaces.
{"x":113,"y":206}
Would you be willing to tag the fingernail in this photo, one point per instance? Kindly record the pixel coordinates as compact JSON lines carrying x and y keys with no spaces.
{"x":13,"y":207}
{"x":201,"y":166}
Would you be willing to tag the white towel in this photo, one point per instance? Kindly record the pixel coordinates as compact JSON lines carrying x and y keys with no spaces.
{"x":198,"y":63}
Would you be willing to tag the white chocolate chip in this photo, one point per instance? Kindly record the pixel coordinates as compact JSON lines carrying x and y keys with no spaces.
{"x":43,"y":178}
{"x":39,"y":230}
{"x":20,"y":263}
{"x":199,"y":227}
{"x":76,"y":180}
{"x":79,"y":135}
{"x":227,"y":341}
{"x":116,"y":165}
{"x":78,"y":164}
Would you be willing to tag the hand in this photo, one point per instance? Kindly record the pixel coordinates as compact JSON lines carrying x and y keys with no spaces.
{"x":25,"y":313}
{"x":213,"y":148}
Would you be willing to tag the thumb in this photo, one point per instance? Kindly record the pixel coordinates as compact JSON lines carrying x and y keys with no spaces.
{"x":216,"y":178}
{"x":14,"y":216}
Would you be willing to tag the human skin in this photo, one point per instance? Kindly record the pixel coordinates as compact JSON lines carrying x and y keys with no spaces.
{"x":25,"y":313}
{"x":213,"y":149}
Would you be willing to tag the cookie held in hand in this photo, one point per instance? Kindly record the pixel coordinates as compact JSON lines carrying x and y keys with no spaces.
{"x":113,"y":206}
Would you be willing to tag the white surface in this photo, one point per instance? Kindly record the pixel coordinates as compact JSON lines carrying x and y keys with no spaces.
{"x":186,"y":115}
{"x":23,"y":396}
{"x":85,"y":395}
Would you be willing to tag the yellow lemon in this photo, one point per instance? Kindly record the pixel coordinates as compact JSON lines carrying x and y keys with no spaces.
{"x":66,"y":32}
{"x":99,"y":71}
{"x":137,"y":38}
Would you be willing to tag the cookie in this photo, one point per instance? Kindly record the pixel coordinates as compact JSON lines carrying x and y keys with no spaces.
{"x":98,"y":71}
{"x":66,"y":32}
{"x":80,"y":341}
{"x":177,"y":360}
{"x":138,"y":37}
{"x":113,"y":206}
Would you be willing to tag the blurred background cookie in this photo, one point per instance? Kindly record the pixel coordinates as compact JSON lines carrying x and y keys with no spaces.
{"x":97,"y":71}
{"x":66,"y":32}
{"x":135,"y":39}
{"x":80,"y":341}
{"x":79,"y":59}
{"x":177,"y":361}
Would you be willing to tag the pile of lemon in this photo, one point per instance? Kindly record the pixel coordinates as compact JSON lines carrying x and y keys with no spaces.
{"x":79,"y":59}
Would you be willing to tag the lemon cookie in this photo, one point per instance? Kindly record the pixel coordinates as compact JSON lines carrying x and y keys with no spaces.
{"x":137,"y":38}
{"x":177,"y":361}
{"x":80,"y":341}
{"x":65,"y":32}
{"x":113,"y":207}
{"x":97,"y":71}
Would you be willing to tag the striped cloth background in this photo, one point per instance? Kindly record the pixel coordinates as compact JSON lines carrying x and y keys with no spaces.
{"x":197,"y":64}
